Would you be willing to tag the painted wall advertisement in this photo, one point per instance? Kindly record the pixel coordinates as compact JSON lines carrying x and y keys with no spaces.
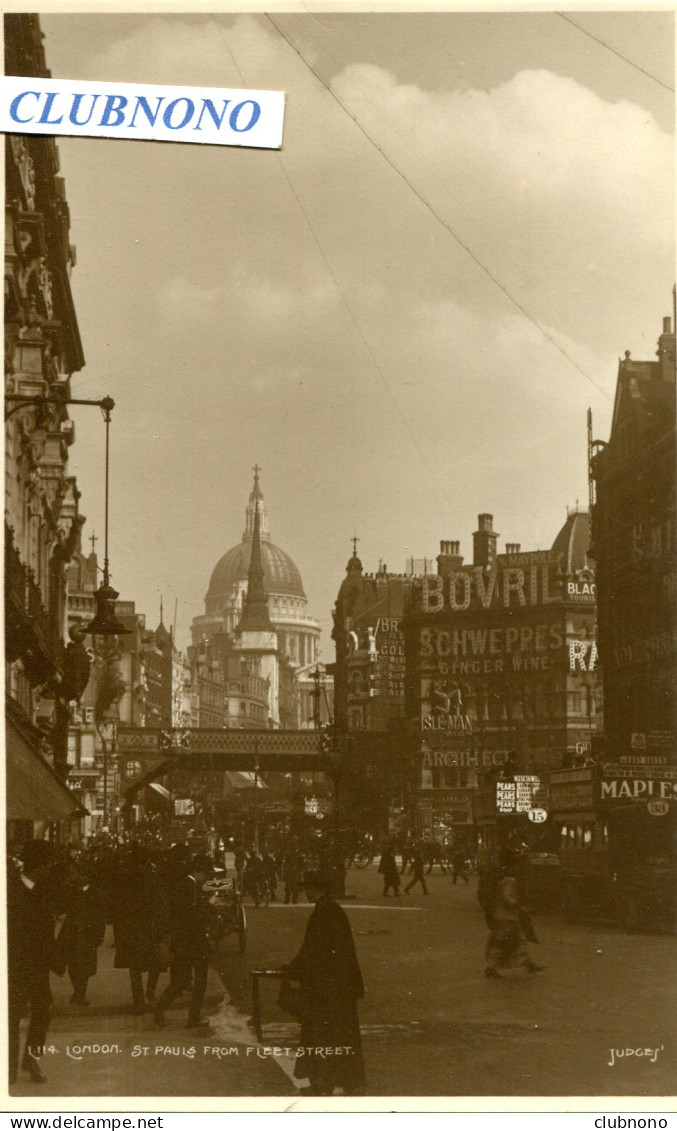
{"x":389,"y":644}
{"x":524,"y":793}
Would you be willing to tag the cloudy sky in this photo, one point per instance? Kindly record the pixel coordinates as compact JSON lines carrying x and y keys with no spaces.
{"x":402,"y":316}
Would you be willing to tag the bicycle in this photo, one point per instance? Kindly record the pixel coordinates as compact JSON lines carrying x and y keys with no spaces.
{"x":226,"y":915}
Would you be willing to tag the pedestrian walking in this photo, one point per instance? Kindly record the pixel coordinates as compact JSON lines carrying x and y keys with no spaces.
{"x":435,"y":855}
{"x":239,"y":860}
{"x":269,"y":875}
{"x":83,"y":929}
{"x":417,"y":864}
{"x":388,"y":869}
{"x":293,"y":876}
{"x":253,"y":878}
{"x":330,"y":986}
{"x":488,"y":876}
{"x":459,"y":866}
{"x":187,"y":940}
{"x":137,"y":912}
{"x":30,"y":955}
{"x":407,"y":857}
{"x":506,"y":947}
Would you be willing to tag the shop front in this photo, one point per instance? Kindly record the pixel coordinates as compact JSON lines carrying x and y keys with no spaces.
{"x":616,"y":825}
{"x":37,"y":798}
{"x":444,"y":816}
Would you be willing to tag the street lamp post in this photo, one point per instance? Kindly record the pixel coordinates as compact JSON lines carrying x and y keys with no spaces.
{"x":107,"y":732}
{"x":256,"y":797}
{"x":316,"y":678}
{"x":24,"y":400}
{"x":333,"y":745}
{"x":105,"y":622}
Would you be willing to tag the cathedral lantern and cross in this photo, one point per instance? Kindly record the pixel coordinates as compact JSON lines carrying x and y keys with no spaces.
{"x":297,"y":632}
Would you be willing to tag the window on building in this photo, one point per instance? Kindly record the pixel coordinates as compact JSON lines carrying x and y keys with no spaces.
{"x":625,"y":440}
{"x":86,"y":749}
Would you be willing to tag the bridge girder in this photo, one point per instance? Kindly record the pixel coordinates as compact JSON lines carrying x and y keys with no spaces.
{"x":146,"y":755}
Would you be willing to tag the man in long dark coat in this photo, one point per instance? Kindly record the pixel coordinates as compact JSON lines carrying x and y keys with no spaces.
{"x":83,"y":929}
{"x":331,"y":984}
{"x":187,"y":940}
{"x":388,"y":869}
{"x":135,"y":903}
{"x":30,"y":953}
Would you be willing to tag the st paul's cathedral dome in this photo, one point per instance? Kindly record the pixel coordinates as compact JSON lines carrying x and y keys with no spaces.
{"x":297,"y":633}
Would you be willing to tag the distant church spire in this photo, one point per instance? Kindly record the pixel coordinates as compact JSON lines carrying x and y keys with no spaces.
{"x":256,"y":506}
{"x":255,"y":616}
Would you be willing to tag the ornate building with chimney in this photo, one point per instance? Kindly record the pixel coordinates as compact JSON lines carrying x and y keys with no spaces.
{"x":635,"y":548}
{"x":501,"y":678}
{"x":42,"y":522}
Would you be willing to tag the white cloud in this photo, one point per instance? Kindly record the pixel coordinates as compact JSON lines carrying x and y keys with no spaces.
{"x":214,"y":51}
{"x":229,"y":308}
{"x":545,"y":180}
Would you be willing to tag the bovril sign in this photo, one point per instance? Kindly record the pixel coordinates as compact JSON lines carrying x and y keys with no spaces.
{"x":530,"y":579}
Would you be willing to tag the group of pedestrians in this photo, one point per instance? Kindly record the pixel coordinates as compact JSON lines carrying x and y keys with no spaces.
{"x":157,"y":907}
{"x":59,"y":903}
{"x":259,"y":875}
{"x":415,"y":857}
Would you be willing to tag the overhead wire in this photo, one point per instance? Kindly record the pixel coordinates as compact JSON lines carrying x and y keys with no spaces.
{"x":619,"y":54}
{"x":423,"y":161}
{"x":431,"y":172}
{"x":441,"y":219}
{"x":339,"y":289}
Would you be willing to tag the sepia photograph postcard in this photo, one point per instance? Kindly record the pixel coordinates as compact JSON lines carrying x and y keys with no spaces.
{"x":340,"y":558}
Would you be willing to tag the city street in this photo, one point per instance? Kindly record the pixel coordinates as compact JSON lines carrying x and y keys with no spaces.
{"x":431,"y":322}
{"x":432,"y":1024}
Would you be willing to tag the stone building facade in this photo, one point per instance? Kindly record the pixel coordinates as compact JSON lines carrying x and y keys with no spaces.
{"x":369,"y":692}
{"x":42,"y":522}
{"x":501,"y":663}
{"x":635,"y":548}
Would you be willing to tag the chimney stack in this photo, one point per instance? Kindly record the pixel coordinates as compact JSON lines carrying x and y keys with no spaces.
{"x":484,"y":542}
{"x":449,"y":558}
{"x":666,"y":352}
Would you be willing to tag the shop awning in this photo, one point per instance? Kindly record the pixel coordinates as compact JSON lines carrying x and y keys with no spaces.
{"x":161,"y":789}
{"x":34,"y":791}
{"x":243,"y":779}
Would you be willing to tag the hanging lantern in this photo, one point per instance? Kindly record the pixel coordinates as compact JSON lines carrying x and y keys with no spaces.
{"x":105,"y":622}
